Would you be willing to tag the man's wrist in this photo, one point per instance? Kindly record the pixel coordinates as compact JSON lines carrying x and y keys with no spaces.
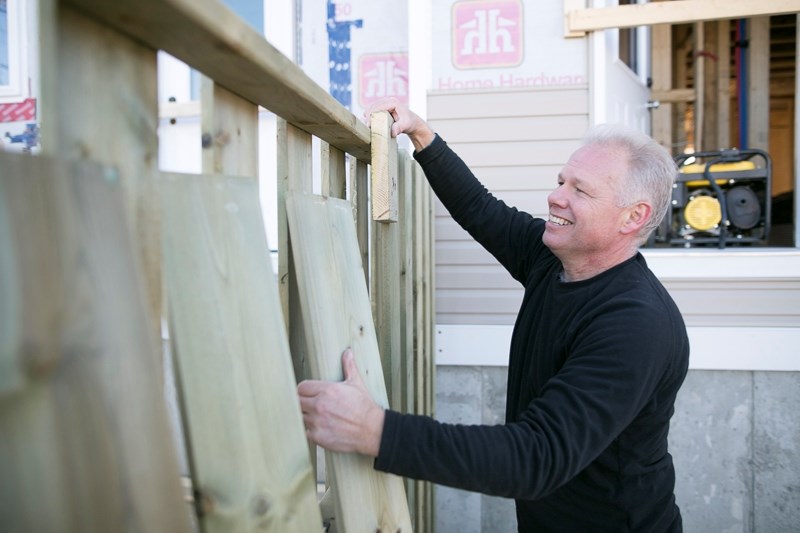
{"x":422,"y":137}
{"x":374,"y":430}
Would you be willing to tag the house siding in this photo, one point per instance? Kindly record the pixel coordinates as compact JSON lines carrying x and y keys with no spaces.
{"x":516,"y":142}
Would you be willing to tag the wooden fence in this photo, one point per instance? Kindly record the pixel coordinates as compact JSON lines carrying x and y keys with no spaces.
{"x":100,"y":250}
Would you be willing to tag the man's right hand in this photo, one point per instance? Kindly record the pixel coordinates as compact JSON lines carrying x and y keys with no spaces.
{"x":405,"y":121}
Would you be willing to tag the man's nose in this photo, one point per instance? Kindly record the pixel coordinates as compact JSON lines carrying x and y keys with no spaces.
{"x":556,"y":197}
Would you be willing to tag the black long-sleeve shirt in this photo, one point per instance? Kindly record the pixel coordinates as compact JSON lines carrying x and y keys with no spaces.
{"x":594,"y":369}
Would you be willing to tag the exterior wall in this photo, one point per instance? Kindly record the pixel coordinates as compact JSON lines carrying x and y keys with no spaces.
{"x":735,"y":440}
{"x":515,"y":141}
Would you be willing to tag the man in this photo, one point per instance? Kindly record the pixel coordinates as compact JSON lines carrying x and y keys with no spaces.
{"x":598,"y":353}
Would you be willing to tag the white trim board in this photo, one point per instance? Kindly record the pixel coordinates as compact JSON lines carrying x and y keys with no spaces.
{"x":729,"y":263}
{"x":713,"y":348}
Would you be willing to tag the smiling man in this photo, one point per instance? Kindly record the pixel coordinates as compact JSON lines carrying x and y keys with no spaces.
{"x":598,"y":353}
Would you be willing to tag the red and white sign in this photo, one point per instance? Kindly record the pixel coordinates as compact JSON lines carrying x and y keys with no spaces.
{"x":381,"y":76}
{"x":487,"y":34}
{"x":24,"y":111}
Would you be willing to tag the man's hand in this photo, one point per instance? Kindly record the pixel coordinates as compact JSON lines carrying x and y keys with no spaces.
{"x":405,"y":121}
{"x":342,"y":417}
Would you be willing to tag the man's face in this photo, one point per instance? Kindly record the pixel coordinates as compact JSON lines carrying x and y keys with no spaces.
{"x":584,"y":219}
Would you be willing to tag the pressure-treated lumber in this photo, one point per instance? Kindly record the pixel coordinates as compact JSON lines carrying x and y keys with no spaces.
{"x":107,"y":111}
{"x":662,"y":91}
{"x":674,"y":12}
{"x":334,"y":171}
{"x":85,"y":443}
{"x":294,"y":173}
{"x":250,"y":462}
{"x":336,"y":310}
{"x":384,"y":169}
{"x":213,"y":39}
{"x":359,"y":200}
{"x":758,"y":84}
{"x":229,"y":126}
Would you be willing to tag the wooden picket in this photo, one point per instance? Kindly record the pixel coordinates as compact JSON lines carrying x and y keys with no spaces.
{"x":114,"y":248}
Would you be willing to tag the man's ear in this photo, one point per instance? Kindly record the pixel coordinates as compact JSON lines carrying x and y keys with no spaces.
{"x":637,"y":216}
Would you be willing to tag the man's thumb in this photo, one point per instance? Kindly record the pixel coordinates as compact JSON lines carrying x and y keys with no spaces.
{"x":349,"y":366}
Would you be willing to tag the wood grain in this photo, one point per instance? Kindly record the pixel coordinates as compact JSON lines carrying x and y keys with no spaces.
{"x":247,"y":444}
{"x":336,"y":310}
{"x":85,"y":440}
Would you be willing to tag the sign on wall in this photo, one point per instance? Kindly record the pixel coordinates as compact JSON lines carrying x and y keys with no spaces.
{"x":357,"y":49}
{"x":503,"y":43}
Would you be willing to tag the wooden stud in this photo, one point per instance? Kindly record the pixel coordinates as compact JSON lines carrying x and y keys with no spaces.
{"x":723,"y":97}
{"x":384,"y":168}
{"x":758,"y":83}
{"x":359,"y":199}
{"x":250,"y":465}
{"x":699,"y":86}
{"x":210,"y":37}
{"x":335,"y":301}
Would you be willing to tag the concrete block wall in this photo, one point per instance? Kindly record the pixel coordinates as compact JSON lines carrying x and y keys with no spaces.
{"x":735,"y":439}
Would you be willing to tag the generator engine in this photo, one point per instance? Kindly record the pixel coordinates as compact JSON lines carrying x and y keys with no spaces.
{"x":722,"y":198}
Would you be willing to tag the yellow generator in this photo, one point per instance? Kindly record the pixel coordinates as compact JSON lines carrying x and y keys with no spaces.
{"x":719,"y":198}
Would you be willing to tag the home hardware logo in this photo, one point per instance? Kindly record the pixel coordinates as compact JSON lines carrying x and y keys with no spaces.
{"x":383,"y":75}
{"x":487,"y":34}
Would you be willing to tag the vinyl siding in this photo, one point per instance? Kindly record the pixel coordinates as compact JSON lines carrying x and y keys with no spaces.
{"x":516,"y":142}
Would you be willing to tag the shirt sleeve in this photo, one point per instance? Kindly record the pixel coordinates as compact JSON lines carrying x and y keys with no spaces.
{"x":500,"y":229}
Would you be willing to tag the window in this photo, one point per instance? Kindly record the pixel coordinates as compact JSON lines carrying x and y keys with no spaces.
{"x":12,"y":59}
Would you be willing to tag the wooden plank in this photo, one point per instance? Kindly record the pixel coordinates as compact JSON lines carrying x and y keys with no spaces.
{"x":213,"y":39}
{"x":116,"y":125}
{"x":336,"y":305}
{"x":570,"y":6}
{"x":699,"y":87}
{"x":723,"y":97}
{"x":85,"y":442}
{"x":430,"y":325}
{"x":384,"y":168}
{"x":294,"y":173}
{"x":47,"y":106}
{"x":359,"y":200}
{"x":758,"y":83}
{"x":385,"y":294}
{"x":246,"y":439}
{"x":421,"y":488}
{"x":334,"y":171}
{"x":406,"y":301}
{"x":674,"y":12}
{"x":708,"y":54}
{"x":673,"y":95}
{"x":229,"y":127}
